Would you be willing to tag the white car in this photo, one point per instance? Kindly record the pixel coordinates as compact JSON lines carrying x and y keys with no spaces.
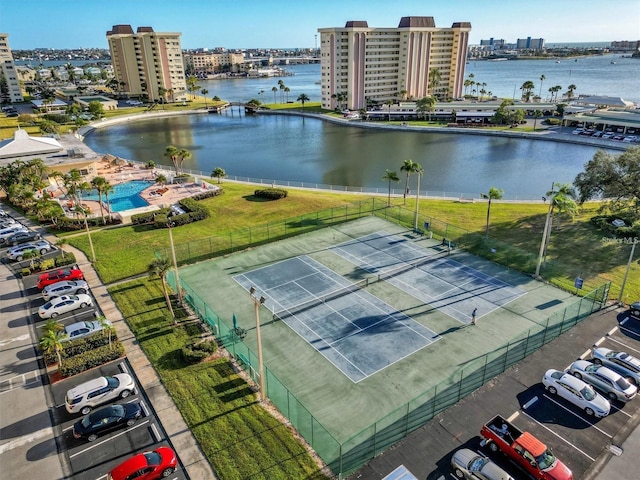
{"x":470,"y":465}
{"x":15,"y":228}
{"x":82,"y":329}
{"x":64,"y":304}
{"x":17,"y":253}
{"x":67,"y":287}
{"x":612,"y":383}
{"x":577,"y":392}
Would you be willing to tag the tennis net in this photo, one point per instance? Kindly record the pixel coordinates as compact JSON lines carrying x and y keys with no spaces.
{"x":314,"y":302}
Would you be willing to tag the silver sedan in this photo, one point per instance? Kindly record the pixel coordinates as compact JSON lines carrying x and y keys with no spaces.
{"x":626,"y":365}
{"x":612,"y":383}
{"x":470,"y":465}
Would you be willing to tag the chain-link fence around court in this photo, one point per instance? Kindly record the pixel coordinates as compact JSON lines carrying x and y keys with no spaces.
{"x":345,"y":457}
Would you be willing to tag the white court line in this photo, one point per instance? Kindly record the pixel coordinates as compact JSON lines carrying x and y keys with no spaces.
{"x":623,"y":344}
{"x":576,"y":415}
{"x":560,"y":437}
{"x":109,"y":439}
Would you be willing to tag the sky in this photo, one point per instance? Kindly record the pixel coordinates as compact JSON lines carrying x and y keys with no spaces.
{"x":64,"y":24}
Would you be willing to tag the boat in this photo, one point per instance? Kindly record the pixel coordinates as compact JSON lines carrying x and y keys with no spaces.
{"x":613,"y":63}
{"x":557,"y":61}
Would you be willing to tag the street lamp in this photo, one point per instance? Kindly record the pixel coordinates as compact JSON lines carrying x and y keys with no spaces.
{"x":419,"y":171}
{"x":626,"y":273}
{"x":543,"y":245}
{"x":257,"y":302}
{"x":175,"y":263}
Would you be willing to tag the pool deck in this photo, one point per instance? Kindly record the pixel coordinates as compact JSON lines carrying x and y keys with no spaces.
{"x":169,"y":195}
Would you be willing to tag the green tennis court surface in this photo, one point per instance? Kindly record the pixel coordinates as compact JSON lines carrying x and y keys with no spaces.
{"x":353,"y":329}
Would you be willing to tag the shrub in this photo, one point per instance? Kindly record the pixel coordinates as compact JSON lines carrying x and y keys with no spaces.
{"x":148,"y":217}
{"x":72,"y":224}
{"x":271,"y":193}
{"x":91,"y":359}
{"x":67,"y":258}
{"x":81,"y":345}
{"x":195,"y":352}
{"x":630,"y":230}
{"x":25,"y":272}
{"x":207,"y":194}
{"x":150,"y":165}
{"x":48,"y":264}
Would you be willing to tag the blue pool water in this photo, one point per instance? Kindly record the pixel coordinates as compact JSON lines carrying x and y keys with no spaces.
{"x":125,"y":196}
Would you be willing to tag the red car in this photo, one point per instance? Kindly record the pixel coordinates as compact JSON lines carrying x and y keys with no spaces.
{"x":58,"y":276}
{"x":146,"y":466}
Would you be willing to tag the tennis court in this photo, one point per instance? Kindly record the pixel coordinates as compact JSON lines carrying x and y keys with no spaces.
{"x":354,"y":330}
{"x":429,"y":275}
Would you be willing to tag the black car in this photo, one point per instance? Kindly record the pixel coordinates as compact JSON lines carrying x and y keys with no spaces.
{"x":634,"y":309}
{"x":21,"y":237}
{"x":107,"y":419}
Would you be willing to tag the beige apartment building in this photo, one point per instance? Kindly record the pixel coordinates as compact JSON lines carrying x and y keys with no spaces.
{"x":8,"y":71}
{"x":361,"y":65}
{"x":210,"y":63}
{"x":146,"y":61}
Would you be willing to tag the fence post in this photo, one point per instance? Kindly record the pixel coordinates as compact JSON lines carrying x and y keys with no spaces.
{"x":484,"y":368}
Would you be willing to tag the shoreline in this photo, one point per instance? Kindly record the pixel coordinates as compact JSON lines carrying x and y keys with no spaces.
{"x":553,"y":134}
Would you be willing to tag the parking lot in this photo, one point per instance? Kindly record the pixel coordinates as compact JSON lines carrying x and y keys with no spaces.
{"x":39,"y":434}
{"x":583,"y":443}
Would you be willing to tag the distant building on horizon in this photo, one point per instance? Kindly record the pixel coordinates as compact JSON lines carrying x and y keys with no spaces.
{"x":146,"y":61}
{"x":362,"y":65}
{"x":214,"y":62}
{"x":8,"y":71}
{"x":530,"y":43}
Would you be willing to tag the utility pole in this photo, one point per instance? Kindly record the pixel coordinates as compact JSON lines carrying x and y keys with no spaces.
{"x":257,"y":302}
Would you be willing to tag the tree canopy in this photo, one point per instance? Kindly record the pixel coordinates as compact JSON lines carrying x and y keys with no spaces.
{"x":614,"y":178}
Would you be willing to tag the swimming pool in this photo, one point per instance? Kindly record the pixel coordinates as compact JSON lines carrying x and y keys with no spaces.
{"x":125,"y":196}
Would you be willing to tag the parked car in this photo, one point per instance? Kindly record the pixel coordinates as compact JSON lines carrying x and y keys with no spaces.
{"x":634,"y":309}
{"x":107,"y":419}
{"x":58,"y":276}
{"x":84,"y":397}
{"x":159,"y":463}
{"x":17,"y":253}
{"x":608,"y":135}
{"x":69,"y":287}
{"x":82,"y":329}
{"x":577,"y":392}
{"x":626,"y":365}
{"x":470,"y":465}
{"x":614,"y":385}
{"x":21,"y":237}
{"x":8,"y":231}
{"x":64,"y":304}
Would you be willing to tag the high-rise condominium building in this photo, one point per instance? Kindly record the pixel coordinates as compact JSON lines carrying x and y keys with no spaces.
{"x":362,"y":64}
{"x":146,"y":62}
{"x":13,"y":92}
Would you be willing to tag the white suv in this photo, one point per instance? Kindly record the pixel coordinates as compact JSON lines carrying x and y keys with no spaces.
{"x":84,"y":397}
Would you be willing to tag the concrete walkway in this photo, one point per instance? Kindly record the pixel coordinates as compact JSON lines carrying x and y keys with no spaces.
{"x":195,"y":464}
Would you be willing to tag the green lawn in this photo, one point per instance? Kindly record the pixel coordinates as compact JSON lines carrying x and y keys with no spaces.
{"x":238,"y":437}
{"x":576,"y":248}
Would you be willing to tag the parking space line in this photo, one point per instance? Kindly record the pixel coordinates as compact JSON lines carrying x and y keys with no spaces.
{"x":560,"y":437}
{"x":576,"y":415}
{"x":109,"y":439}
{"x":513,"y":417}
{"x":621,"y":411}
{"x":624,"y":344}
{"x":586,"y":354}
{"x":597,"y":344}
{"x":612,"y":331}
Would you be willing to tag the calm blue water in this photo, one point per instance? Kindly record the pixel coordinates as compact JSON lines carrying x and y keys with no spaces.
{"x":125,"y":196}
{"x":317,"y":153}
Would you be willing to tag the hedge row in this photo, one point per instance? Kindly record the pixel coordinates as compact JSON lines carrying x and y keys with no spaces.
{"x":208,"y":194}
{"x":80,"y":346}
{"x":42,"y":264}
{"x":90,"y":359}
{"x":148,"y":217}
{"x":271,"y":193}
{"x":195,"y":352}
{"x":72,"y":224}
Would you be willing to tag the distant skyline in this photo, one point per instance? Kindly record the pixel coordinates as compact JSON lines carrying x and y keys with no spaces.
{"x":66,"y":24}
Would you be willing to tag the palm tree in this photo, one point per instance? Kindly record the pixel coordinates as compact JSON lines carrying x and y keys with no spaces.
{"x":98,"y":183}
{"x":159,"y":268}
{"x":536,"y":115}
{"x":161,"y":179}
{"x":434,"y":80}
{"x":107,"y":327}
{"x":570,"y":89}
{"x":281,"y":85}
{"x":286,"y":94}
{"x":274,"y":90}
{"x":526,"y":88}
{"x":542,"y":79}
{"x":218,"y":173}
{"x":390,"y":176}
{"x":183,"y":155}
{"x":408,"y":167}
{"x":560,"y":194}
{"x":417,"y":168}
{"x":51,"y":339}
{"x":204,"y":92}
{"x":162,"y":93}
{"x":494,"y":194}
{"x":173,"y":153}
{"x":302,"y":98}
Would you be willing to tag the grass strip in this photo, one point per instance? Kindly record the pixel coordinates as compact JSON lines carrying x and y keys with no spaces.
{"x":238,"y":436}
